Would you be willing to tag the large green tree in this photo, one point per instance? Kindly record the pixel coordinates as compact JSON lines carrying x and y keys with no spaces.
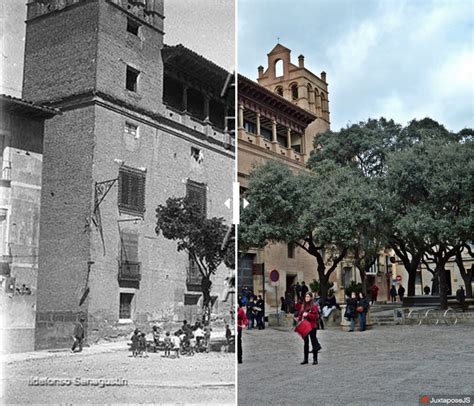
{"x":206,"y":240}
{"x":322,"y":212}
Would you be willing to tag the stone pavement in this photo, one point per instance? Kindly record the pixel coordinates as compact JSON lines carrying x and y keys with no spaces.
{"x":389,"y":365}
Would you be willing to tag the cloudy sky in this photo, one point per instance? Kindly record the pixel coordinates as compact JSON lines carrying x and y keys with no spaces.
{"x":393,"y":58}
{"x":205,"y":26}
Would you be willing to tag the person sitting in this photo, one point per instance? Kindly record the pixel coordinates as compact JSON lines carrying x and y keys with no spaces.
{"x":228,"y":334}
{"x":330,"y":305}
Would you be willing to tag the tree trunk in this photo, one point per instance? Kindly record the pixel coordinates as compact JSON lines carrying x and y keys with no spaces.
{"x":443,"y":285}
{"x":411,"y":261}
{"x":467,"y":278}
{"x":412,"y":279}
{"x":323,"y":282}
{"x":206,"y":298}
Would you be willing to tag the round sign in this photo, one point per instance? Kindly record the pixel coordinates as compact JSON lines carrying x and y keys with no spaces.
{"x":274,"y":275}
{"x":399,"y":278}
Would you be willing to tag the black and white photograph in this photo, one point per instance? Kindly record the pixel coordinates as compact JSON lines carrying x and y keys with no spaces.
{"x":117,"y":245}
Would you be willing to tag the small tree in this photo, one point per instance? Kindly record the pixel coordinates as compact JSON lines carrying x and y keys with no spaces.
{"x":202,"y":238}
{"x":314,"y":286}
{"x":353,"y":287}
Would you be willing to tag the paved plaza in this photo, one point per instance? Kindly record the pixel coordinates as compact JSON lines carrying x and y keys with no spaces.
{"x":200,"y":379}
{"x":390,"y":365}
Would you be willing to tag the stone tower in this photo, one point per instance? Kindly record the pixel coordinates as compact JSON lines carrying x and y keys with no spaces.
{"x":99,"y":62}
{"x":299,"y":85}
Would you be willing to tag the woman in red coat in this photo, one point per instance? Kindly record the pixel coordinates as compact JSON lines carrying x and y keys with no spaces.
{"x":241,"y":323}
{"x":309,"y":311}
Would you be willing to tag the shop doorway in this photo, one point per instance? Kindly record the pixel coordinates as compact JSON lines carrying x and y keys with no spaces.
{"x":290,"y":282}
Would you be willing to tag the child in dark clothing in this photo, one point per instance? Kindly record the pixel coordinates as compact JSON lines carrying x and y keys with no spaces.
{"x":135,"y":342}
{"x":143,"y":345}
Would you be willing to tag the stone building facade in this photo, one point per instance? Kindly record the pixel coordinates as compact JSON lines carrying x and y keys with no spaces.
{"x":141,"y":122}
{"x":277,"y":120}
{"x":21,"y":141}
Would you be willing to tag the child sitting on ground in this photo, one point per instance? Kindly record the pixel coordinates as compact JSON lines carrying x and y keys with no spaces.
{"x":168,"y":345}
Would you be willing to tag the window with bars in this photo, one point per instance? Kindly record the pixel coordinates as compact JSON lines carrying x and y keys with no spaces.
{"x":129,"y":268}
{"x":131,"y":191}
{"x":197,"y":193}
{"x":125,"y":307}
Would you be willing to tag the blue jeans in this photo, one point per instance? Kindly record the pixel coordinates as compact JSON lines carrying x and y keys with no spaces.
{"x":362,"y":320}
{"x":352,"y":324}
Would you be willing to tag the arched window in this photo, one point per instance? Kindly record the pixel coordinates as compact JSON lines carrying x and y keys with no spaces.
{"x":310,"y":94}
{"x":278,"y":68}
{"x":279,"y":90}
{"x":317,"y":100}
{"x":294,"y":91}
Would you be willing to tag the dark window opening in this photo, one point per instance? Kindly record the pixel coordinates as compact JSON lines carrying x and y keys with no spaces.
{"x":279,"y":90}
{"x":217,"y":114}
{"x":266,"y":133}
{"x":173,"y":93}
{"x":294,"y":92}
{"x":193,"y":276}
{"x":196,"y":104}
{"x":131,"y":190}
{"x":132,"y":79}
{"x":133,"y":27}
{"x":250,"y":127}
{"x":196,"y":194}
{"x":291,"y":250}
{"x":125,"y":309}
{"x":196,"y":154}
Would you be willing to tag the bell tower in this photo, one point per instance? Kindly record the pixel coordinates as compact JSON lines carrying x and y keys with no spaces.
{"x":74,"y":47}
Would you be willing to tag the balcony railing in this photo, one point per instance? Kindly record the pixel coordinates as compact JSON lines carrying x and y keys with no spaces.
{"x":129,"y":271}
{"x":193,"y":278}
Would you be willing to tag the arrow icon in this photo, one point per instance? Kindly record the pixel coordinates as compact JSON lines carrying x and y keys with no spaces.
{"x":245,"y":203}
{"x":227,"y":203}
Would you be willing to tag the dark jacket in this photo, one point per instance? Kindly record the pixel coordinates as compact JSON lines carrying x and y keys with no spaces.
{"x":351,"y":308}
{"x":79,"y":330}
{"x":401,"y":291}
{"x":364,"y":303}
{"x":304,"y":290}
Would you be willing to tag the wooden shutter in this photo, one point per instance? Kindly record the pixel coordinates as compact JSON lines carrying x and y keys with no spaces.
{"x":197,"y":193}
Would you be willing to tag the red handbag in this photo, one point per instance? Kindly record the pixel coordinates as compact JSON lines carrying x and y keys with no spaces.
{"x":303,"y":328}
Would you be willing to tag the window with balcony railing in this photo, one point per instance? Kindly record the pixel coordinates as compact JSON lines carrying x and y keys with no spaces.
{"x":129,"y":265}
{"x":193,"y":275}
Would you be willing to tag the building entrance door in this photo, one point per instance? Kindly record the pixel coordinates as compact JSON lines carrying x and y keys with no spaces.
{"x":290,"y":282}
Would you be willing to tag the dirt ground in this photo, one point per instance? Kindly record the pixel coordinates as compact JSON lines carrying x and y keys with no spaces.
{"x":199,"y":379}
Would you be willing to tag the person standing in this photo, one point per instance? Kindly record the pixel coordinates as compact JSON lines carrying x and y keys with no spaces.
{"x":257,"y":313}
{"x":304,"y":290}
{"x":250,"y":314}
{"x":309,"y":312}
{"x":426,"y":290}
{"x":350,"y":313}
{"x":401,"y":292}
{"x":374,"y":293}
{"x":362,"y":309}
{"x":297,"y":291}
{"x":393,"y":293}
{"x":261,"y":316}
{"x":78,"y":335}
{"x":241,"y":323}
{"x":461,"y":298}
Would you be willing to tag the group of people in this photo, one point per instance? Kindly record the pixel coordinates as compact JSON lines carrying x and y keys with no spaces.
{"x":294,"y":294}
{"x":357,"y":306}
{"x":255,"y":309}
{"x":394,"y":292}
{"x":186,"y":341}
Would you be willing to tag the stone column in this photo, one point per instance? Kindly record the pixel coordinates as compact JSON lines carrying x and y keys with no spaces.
{"x":274,"y":131}
{"x":185,"y":99}
{"x":241,"y":116}
{"x":206,"y":109}
{"x":259,"y":136}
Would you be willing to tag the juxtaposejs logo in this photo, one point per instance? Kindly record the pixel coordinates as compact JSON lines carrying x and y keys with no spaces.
{"x":446,"y":400}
